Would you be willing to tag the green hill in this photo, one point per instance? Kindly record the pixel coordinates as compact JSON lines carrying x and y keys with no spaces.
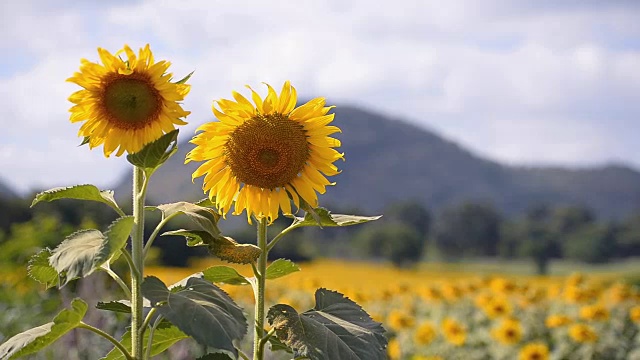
{"x":388,"y":160}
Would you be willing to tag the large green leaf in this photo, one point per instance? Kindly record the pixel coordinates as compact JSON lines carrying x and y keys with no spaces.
{"x":79,"y":192}
{"x":155,"y":153}
{"x":323,"y":217}
{"x":223,"y":247}
{"x":280,"y":268}
{"x":203,"y":218}
{"x":41,"y":271}
{"x":336,"y":328}
{"x":201,"y":310}
{"x":33,"y":340}
{"x":224,"y":274}
{"x":84,"y":251}
{"x":164,"y":337}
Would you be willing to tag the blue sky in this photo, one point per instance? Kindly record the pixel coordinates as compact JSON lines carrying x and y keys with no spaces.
{"x":521,"y":82}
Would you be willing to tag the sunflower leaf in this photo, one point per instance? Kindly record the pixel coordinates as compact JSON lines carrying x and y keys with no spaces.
{"x":84,"y":251}
{"x":114,"y":306}
{"x":41,"y":271}
{"x":280,"y":268}
{"x":33,"y":340}
{"x":336,"y":328}
{"x":79,"y":192}
{"x":201,"y":310}
{"x":323,"y":217}
{"x":155,"y":153}
{"x":224,"y":274}
{"x":185,"y":79}
{"x":204,"y":218}
{"x":223,"y":247}
{"x":165,"y":335}
{"x":85,"y":140}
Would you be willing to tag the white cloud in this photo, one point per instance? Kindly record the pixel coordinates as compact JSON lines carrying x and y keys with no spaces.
{"x":518,"y":81}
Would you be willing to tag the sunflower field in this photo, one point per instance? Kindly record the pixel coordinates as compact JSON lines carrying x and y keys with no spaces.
{"x":431,"y":314}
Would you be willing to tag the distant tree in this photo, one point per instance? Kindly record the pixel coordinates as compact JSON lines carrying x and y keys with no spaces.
{"x":469,"y":229}
{"x":594,"y":243}
{"x":411,"y":213}
{"x":531,"y":237}
{"x":629,"y":236}
{"x":396,"y":242}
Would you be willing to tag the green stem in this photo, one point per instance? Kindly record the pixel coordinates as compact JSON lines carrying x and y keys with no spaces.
{"x":118,"y":280}
{"x":137,"y":245}
{"x":147,"y":354}
{"x":147,"y":320}
{"x":259,"y":290}
{"x":277,"y":238}
{"x":127,"y":257}
{"x":115,"y":342}
{"x":153,"y":236}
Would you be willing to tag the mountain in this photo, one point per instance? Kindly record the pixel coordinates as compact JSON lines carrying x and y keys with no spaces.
{"x":390,"y":160}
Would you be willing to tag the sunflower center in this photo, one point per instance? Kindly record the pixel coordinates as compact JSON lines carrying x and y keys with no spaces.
{"x":131,"y":101}
{"x":267,"y":151}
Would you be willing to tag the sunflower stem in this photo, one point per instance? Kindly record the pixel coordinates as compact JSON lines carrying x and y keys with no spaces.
{"x":259,"y":290}
{"x":137,"y":246}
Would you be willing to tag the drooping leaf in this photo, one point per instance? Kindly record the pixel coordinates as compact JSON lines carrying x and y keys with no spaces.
{"x":323,"y":217}
{"x":223,"y":247}
{"x":206,"y":202}
{"x":224,"y":274}
{"x":155,"y":153}
{"x":164,"y":337}
{"x":203,"y":218}
{"x":184,"y":79}
{"x":215,"y":356}
{"x":84,"y":251}
{"x":336,"y":328}
{"x":114,"y":306}
{"x":35,"y":339}
{"x":280,"y":268}
{"x":41,"y":271}
{"x":79,"y":192}
{"x":201,"y":310}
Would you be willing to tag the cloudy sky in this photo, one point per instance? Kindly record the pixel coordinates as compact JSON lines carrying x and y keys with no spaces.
{"x":521,"y":82}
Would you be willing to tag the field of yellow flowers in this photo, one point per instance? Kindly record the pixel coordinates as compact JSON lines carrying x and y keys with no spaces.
{"x":432,"y":314}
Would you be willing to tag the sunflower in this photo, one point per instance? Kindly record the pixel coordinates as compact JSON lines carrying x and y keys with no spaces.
{"x":509,"y":332}
{"x":583,"y":333}
{"x":126,"y":104}
{"x":266,"y":155}
{"x":534,"y":351}
{"x":454,"y":331}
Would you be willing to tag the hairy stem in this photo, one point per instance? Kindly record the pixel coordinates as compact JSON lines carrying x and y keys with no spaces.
{"x":115,"y":342}
{"x":259,"y":290}
{"x":137,"y":246}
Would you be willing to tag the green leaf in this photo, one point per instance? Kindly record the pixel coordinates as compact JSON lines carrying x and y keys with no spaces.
{"x":41,"y":271}
{"x":224,"y":274}
{"x":280,"y":268}
{"x":84,"y":251}
{"x":206,"y":202}
{"x":323,"y":217}
{"x":155,"y":153}
{"x":184,"y":79}
{"x":79,"y":192}
{"x":85,"y":140}
{"x":223,"y":247}
{"x":216,"y":356}
{"x":164,"y":337}
{"x":203,"y":218}
{"x":277,"y":345}
{"x":35,"y":339}
{"x":201,"y":310}
{"x":336,"y":328}
{"x":114,"y":306}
